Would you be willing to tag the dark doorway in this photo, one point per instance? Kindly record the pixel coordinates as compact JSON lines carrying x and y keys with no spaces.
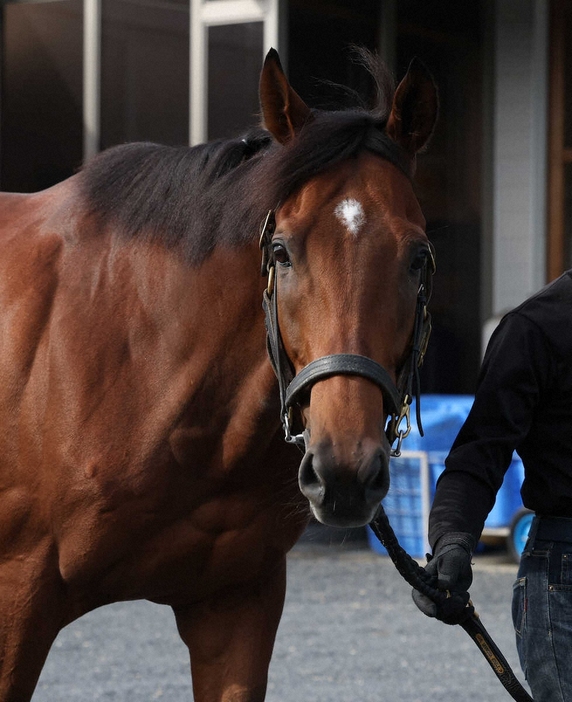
{"x":448,"y":37}
{"x":41,"y":140}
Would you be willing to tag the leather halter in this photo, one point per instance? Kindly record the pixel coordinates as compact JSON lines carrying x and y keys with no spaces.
{"x":293,"y":388}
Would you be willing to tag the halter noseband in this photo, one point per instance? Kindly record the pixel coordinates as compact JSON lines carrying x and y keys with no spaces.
{"x":397,"y":398}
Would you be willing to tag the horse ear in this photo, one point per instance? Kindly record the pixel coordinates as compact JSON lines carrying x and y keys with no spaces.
{"x":283,"y":111}
{"x":414,"y":110}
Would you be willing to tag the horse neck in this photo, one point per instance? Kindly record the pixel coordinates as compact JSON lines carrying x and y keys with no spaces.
{"x":215,"y":321}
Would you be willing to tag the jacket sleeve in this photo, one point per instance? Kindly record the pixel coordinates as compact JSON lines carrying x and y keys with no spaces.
{"x":510,"y":383}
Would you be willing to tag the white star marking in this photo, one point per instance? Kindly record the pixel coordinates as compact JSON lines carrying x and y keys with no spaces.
{"x":351,"y":213}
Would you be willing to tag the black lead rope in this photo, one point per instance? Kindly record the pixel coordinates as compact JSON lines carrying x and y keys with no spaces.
{"x":460,"y":611}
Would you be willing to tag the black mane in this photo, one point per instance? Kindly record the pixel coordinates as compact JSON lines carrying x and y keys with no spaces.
{"x":217,"y":193}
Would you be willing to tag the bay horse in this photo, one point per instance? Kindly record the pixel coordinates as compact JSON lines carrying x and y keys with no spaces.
{"x":141,"y":447}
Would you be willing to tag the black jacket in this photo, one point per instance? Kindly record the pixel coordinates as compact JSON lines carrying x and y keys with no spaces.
{"x":523,"y":402}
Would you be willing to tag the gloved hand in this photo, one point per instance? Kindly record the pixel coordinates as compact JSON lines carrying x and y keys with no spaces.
{"x":451,"y":564}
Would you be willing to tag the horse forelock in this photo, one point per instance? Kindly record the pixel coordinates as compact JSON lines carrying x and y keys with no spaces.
{"x":331,"y":138}
{"x":216,"y":194}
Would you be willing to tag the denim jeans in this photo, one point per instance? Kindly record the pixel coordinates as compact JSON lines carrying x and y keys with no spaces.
{"x":542,"y":610}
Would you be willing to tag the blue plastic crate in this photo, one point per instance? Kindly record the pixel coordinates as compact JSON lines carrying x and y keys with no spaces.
{"x":508,"y":500}
{"x":415,"y":474}
{"x":441,"y":416}
{"x":407,"y":503}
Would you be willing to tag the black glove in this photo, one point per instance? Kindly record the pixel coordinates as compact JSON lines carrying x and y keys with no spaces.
{"x":451,"y":568}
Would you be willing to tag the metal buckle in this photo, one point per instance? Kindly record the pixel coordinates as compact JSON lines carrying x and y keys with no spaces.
{"x":397,"y":433}
{"x":270,"y":286}
{"x":266,"y":232}
{"x":290,"y":438}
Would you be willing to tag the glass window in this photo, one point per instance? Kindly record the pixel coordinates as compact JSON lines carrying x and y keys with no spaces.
{"x":145,"y":71}
{"x":41,"y":136}
{"x":235,"y":58}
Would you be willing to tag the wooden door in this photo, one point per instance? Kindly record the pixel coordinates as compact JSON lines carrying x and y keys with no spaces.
{"x":559,"y":254}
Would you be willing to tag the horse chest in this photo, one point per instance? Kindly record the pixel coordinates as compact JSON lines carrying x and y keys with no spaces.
{"x":177,"y":547}
{"x":179,"y":528}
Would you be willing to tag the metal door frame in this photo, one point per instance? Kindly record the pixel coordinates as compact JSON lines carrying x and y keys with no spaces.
{"x":210,"y":13}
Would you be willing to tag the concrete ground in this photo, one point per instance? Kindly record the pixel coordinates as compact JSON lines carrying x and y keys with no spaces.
{"x":350,"y":633}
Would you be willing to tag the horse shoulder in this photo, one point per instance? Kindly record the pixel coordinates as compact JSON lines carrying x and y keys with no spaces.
{"x":30,"y":254}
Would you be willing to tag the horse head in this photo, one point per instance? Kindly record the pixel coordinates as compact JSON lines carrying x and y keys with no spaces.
{"x":348,"y":260}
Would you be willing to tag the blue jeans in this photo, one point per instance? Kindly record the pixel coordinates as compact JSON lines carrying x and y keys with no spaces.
{"x":542,"y":610}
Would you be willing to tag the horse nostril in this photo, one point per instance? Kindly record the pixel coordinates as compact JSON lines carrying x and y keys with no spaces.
{"x":311,"y":485}
{"x":375,"y":476}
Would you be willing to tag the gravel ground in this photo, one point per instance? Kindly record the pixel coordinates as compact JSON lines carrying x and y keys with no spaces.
{"x":350,"y":633}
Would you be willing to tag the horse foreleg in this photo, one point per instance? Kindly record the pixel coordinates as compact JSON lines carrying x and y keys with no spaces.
{"x":230,"y":638}
{"x":31,"y":614}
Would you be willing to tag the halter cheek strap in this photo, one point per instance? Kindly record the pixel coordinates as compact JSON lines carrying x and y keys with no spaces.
{"x":293,"y":388}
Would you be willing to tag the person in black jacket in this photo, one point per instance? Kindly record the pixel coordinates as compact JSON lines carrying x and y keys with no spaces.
{"x":523,"y":402}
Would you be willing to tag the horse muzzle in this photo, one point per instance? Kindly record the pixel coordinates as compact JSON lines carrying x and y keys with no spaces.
{"x":344,"y":489}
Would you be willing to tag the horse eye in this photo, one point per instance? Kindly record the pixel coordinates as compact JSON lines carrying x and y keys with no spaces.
{"x":280,"y":254}
{"x":419,"y":260}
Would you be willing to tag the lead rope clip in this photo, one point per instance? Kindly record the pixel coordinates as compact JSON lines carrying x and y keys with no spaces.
{"x":399,"y":433}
